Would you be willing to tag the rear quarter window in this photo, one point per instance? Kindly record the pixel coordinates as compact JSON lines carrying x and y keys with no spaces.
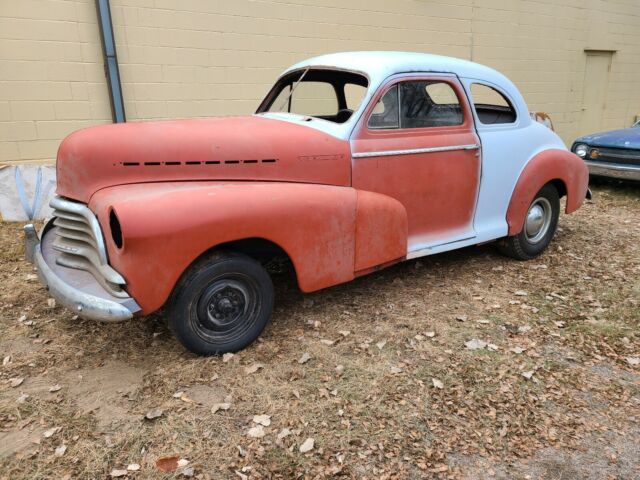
{"x":492,"y":107}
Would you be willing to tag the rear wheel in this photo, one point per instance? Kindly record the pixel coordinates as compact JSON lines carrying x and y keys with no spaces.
{"x":539,"y":227}
{"x":222,"y":304}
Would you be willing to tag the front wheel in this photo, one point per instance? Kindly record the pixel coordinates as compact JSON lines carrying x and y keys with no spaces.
{"x":539,"y":227}
{"x":221,"y":304}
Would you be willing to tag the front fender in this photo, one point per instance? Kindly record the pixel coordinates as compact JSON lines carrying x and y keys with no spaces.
{"x":166,"y":226}
{"x":547,"y":166}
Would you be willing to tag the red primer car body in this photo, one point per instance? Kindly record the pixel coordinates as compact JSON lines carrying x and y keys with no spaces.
{"x":340,"y":195}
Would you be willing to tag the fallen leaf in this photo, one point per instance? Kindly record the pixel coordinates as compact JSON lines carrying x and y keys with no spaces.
{"x":6,"y":360}
{"x":633,"y":361}
{"x":220,"y":406}
{"x":396,"y":370}
{"x":437,"y":383}
{"x":167,"y":464}
{"x":327,"y":342}
{"x":524,"y":328}
{"x":264,"y":420}
{"x":153,"y":414}
{"x":178,"y":394}
{"x":22,"y":318}
{"x":60,"y":450}
{"x":51,"y":432}
{"x":439,"y":468}
{"x":517,"y":350}
{"x":528,"y":374}
{"x":339,"y":369}
{"x":187,"y":472}
{"x":115,"y":473}
{"x":344,"y":333}
{"x":304,"y":358}
{"x":55,"y":388}
{"x":381,"y":344}
{"x":183,"y":462}
{"x":133,"y":467}
{"x":520,"y":293}
{"x":475,"y":344}
{"x":22,"y":398}
{"x":285,"y":432}
{"x":430,"y":334}
{"x":256,"y":432}
{"x":461,"y":318}
{"x":307,"y":446}
{"x":16,"y":382}
{"x":253,"y":368}
{"x":227,"y":356}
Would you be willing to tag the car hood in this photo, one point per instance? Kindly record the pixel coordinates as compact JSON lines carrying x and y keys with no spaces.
{"x":232,"y":148}
{"x":623,"y":138}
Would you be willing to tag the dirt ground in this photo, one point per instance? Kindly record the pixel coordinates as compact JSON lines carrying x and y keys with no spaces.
{"x":465,"y":365}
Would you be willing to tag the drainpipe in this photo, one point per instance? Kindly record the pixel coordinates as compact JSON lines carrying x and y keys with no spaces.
{"x":110,"y":61}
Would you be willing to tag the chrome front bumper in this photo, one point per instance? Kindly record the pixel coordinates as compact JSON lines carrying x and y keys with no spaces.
{"x":614,"y":170}
{"x":77,"y":290}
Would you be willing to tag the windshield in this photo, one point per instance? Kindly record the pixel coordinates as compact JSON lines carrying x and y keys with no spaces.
{"x":331,"y":95}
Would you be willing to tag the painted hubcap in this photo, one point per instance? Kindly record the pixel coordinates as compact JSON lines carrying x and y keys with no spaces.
{"x":538,"y":220}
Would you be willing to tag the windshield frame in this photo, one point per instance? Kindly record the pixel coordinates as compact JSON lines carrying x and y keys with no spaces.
{"x":310,"y":73}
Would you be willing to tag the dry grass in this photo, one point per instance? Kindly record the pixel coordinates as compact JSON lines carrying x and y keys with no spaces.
{"x":380,"y":416}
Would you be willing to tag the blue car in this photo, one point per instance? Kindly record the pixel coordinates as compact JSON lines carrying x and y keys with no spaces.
{"x":614,"y":154}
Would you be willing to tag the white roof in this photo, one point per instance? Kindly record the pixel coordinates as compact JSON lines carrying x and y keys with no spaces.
{"x":380,"y":65}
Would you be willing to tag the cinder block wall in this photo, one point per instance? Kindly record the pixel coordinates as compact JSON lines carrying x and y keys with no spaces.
{"x":193,"y":58}
{"x":51,"y":76}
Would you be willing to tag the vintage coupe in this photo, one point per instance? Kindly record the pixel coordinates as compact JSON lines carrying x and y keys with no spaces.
{"x":353,"y":162}
{"x":613,"y":154}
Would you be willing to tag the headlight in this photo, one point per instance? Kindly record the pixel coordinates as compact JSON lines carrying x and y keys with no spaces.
{"x":581,"y":150}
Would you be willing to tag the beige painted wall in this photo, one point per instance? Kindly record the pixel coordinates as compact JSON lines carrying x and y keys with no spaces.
{"x":218,"y":57}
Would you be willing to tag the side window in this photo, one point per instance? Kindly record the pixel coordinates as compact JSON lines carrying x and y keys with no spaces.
{"x":429,"y":104}
{"x":386,"y":114}
{"x":418,"y":104}
{"x":491,"y":106}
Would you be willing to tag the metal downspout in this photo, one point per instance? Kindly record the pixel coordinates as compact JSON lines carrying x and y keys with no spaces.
{"x":110,"y":61}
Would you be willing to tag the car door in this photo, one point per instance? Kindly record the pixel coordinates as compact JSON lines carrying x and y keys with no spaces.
{"x":416,"y":142}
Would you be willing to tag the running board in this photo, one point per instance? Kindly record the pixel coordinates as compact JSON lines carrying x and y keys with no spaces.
{"x":440,"y":247}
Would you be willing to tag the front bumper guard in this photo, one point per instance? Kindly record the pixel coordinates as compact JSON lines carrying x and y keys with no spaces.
{"x":77,"y":290}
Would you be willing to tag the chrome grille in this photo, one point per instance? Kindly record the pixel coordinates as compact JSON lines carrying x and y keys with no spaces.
{"x":615,"y":155}
{"x":81,"y":244}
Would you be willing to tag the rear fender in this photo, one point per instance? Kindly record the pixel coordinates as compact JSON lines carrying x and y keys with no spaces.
{"x":552,"y":165}
{"x":167,"y":226}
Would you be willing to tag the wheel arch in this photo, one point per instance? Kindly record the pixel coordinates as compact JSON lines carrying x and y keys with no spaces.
{"x":260,"y":249}
{"x":561,"y":168}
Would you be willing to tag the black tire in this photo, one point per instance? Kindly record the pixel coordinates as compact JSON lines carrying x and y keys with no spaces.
{"x":525,"y":245}
{"x":221,"y":304}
